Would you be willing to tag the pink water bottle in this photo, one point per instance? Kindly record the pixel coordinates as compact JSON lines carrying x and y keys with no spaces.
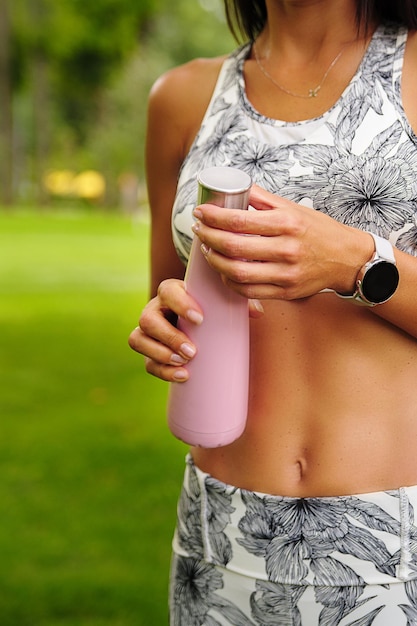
{"x":210,"y":408}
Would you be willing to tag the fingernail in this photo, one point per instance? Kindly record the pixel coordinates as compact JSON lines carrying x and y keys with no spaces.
{"x":181,"y":375}
{"x":258,"y":306}
{"x":187,"y":350}
{"x":204,"y":249}
{"x":177,"y":359}
{"x":194,"y":316}
{"x":197,"y":214}
{"x":196,"y":226}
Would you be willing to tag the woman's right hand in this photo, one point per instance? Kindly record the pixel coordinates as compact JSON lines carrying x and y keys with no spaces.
{"x":166,"y":349}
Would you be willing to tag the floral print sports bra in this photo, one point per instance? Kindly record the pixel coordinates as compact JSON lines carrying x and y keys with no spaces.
{"x":357,"y":162}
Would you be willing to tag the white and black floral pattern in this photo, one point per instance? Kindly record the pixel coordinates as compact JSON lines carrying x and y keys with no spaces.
{"x":327,"y":561}
{"x":195,"y":581}
{"x":357,"y":162}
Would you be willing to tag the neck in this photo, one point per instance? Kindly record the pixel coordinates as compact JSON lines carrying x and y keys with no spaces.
{"x":302,"y":30}
{"x":291,"y":74}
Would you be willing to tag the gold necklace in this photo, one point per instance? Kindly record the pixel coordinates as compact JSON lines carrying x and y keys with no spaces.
{"x":312,"y":93}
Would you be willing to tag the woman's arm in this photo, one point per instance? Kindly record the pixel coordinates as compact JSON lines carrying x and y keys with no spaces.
{"x":177,"y":104}
{"x":296,"y":253}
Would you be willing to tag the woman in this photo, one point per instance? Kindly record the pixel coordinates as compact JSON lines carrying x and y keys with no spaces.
{"x":308,"y":518}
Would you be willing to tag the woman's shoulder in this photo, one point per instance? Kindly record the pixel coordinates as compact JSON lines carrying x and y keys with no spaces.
{"x":188,"y":83}
{"x":179,"y":99}
{"x":409,"y":82}
{"x":412,"y":43}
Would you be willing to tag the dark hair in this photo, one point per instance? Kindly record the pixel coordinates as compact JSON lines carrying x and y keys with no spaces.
{"x":246,"y":18}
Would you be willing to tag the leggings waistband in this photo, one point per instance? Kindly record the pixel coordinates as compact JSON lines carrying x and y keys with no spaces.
{"x":346,"y":540}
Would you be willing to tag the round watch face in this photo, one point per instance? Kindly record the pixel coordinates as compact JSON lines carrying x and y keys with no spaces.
{"x":380,"y":282}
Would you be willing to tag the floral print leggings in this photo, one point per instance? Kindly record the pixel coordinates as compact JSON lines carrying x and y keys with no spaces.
{"x":242,"y":558}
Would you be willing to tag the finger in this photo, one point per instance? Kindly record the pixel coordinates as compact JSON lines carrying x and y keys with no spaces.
{"x":158,"y":339}
{"x":245,"y":222}
{"x":269,"y":291}
{"x":254,"y":273}
{"x":256,"y":309}
{"x":160,"y":361}
{"x":261,"y":199}
{"x":224,"y":222}
{"x":264,"y":280}
{"x":156,"y":323}
{"x":173,"y":295}
{"x":165,"y":372}
{"x":158,"y":351}
{"x":274,"y":244}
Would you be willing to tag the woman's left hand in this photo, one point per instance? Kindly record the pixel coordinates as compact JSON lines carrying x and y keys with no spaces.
{"x":289,"y":251}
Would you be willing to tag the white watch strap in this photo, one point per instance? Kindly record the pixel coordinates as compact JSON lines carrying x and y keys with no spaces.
{"x":383,"y":248}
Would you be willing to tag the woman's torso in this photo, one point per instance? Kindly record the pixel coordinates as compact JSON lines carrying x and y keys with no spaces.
{"x":333,"y":401}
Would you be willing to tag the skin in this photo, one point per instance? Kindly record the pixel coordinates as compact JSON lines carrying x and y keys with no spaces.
{"x":332,"y":407}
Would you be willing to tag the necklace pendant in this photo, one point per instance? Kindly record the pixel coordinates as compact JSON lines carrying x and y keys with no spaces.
{"x":313,"y":93}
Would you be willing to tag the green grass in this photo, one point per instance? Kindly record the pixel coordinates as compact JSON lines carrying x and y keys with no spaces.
{"x":89,"y":473}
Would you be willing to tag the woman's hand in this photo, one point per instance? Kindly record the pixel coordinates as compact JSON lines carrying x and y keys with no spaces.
{"x":294,"y":251}
{"x":166,"y":349}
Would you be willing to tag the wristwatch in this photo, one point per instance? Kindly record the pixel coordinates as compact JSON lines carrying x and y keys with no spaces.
{"x":378,"y":279}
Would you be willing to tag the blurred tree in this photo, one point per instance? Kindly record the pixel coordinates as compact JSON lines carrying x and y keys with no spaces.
{"x":191,"y":28}
{"x":103,"y":35}
{"x":78,"y":73}
{"x":70,"y":50}
{"x":6,"y":135}
{"x":172,"y":34}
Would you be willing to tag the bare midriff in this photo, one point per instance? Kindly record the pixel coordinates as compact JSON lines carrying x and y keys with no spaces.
{"x":332,"y":407}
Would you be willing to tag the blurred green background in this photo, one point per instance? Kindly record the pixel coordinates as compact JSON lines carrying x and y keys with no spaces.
{"x":74,"y":81}
{"x":89,"y":473}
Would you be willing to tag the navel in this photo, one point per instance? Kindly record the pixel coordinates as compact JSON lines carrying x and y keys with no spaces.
{"x":301,"y":469}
